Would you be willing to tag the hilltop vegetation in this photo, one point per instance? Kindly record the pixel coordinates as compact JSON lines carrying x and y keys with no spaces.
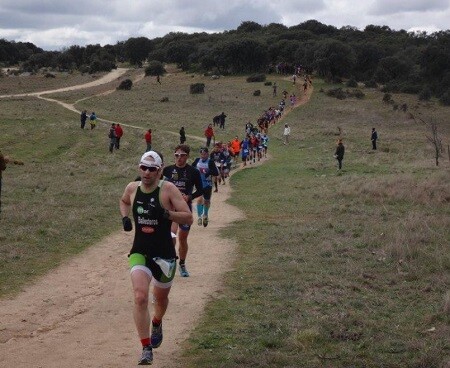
{"x":401,"y":61}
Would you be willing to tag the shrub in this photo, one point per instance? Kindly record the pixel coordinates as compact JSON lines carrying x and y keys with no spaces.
{"x":425,"y":94}
{"x":125,"y":85}
{"x":50,"y":75}
{"x":197,"y":88}
{"x":164,"y":99}
{"x":358,"y":94}
{"x":267,"y":83}
{"x":154,"y":68}
{"x":337,"y":92}
{"x":445,"y":99}
{"x":256,"y":78}
{"x":352,"y":83}
{"x":370,"y":84}
{"x":387,"y":97}
{"x":257,"y":93}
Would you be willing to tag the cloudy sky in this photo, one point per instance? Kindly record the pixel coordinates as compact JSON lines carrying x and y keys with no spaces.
{"x":55,"y":24}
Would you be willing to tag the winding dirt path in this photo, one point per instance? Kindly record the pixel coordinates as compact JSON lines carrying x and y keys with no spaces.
{"x":80,"y":314}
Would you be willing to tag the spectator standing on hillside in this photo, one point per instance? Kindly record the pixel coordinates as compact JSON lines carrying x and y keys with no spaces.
{"x":119,"y":134}
{"x":155,"y":204}
{"x":112,"y":137}
{"x":374,"y":138}
{"x":339,"y":153}
{"x":274,"y":87}
{"x":186,"y":178}
{"x":222,"y":117}
{"x":93,"y":120}
{"x":2,"y":168}
{"x":182,"y":135}
{"x":286,"y":134}
{"x":148,"y":140}
{"x":83,"y":118}
{"x":209,"y":134}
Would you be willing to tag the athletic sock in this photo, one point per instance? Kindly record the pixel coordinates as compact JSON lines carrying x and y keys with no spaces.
{"x":156,"y":321}
{"x":199,"y":210}
{"x":146,"y":342}
{"x":182,"y":261}
{"x":206,"y":211}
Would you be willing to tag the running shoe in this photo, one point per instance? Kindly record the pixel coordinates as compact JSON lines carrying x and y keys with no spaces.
{"x":157,"y":336}
{"x":200,"y":221}
{"x":147,"y":356}
{"x":183,"y":271}
{"x":205,"y":221}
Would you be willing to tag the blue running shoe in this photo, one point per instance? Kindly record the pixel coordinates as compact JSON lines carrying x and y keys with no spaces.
{"x":183,"y":271}
{"x":157,"y":336}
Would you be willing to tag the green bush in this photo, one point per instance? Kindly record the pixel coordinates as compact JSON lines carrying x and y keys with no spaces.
{"x":445,"y":99}
{"x":268,"y":83}
{"x":154,"y":68}
{"x":338,"y":93}
{"x":256,"y":78}
{"x":387,"y":97}
{"x":370,"y":84}
{"x":425,"y":94}
{"x":257,"y":93}
{"x":197,"y":88}
{"x":352,"y":83}
{"x":125,"y":85}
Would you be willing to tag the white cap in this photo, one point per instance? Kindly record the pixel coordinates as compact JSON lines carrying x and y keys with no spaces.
{"x":156,"y":162}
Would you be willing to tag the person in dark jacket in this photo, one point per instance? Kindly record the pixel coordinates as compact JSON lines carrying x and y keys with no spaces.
{"x":339,"y":154}
{"x":374,"y":138}
{"x":182,"y":135}
{"x":83,"y":118}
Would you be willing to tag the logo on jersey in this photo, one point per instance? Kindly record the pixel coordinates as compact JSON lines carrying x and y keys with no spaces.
{"x":140,"y":210}
{"x":147,"y":229}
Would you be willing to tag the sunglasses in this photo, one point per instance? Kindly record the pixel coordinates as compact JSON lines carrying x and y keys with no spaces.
{"x":149,"y":168}
{"x":180,"y":155}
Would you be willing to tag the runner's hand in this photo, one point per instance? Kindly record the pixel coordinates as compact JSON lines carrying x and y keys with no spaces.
{"x":126,"y":222}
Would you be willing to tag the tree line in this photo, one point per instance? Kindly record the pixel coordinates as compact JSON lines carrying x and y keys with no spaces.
{"x":401,"y":61}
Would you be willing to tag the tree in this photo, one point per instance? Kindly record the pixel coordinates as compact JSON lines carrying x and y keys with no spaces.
{"x":137,"y":49}
{"x":249,"y":26}
{"x":179,"y":52}
{"x":154,"y":68}
{"x":334,"y":59}
{"x":392,"y":68}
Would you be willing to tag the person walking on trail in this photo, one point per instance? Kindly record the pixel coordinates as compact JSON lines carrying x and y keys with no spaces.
{"x":182,"y":135}
{"x":119,"y":134}
{"x":274,"y":87}
{"x":83,"y":118}
{"x":208,"y":172}
{"x":154,"y":204}
{"x":2,"y":168}
{"x":148,"y":140}
{"x":209,"y":134}
{"x":339,"y":153}
{"x":374,"y":138}
{"x":286,"y":134}
{"x":112,"y":137}
{"x":222,"y":117}
{"x":93,"y":120}
{"x":186,"y":178}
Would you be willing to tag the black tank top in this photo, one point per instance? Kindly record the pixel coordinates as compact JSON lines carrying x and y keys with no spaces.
{"x":152,"y":237}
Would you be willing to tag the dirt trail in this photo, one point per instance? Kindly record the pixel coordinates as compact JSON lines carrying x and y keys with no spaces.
{"x":79,"y":315}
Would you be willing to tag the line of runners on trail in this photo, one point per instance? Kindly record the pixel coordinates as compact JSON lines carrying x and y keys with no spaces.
{"x":161,"y":204}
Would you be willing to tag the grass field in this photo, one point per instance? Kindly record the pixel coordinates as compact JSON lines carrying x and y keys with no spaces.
{"x":334,"y":269}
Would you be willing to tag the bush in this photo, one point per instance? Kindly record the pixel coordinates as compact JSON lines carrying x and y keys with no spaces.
{"x":352,"y":83}
{"x":125,"y":85}
{"x":154,"y":68}
{"x":256,"y":78}
{"x":338,"y":93}
{"x":387,"y":97}
{"x":267,"y":83}
{"x":164,"y":99}
{"x":445,"y":99}
{"x":50,"y":75}
{"x":257,"y":93}
{"x":371,"y":84}
{"x":197,"y":88}
{"x":358,"y":94}
{"x":425,"y":94}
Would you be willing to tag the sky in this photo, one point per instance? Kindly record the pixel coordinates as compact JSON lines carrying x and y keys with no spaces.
{"x":57,"y":24}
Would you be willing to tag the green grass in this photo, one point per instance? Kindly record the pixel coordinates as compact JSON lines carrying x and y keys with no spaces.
{"x":334,"y":269}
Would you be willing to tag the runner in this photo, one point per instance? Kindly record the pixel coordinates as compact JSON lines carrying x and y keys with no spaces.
{"x":208,"y":171}
{"x":185,"y":178}
{"x":217,"y":157}
{"x":245,"y":145}
{"x":155,"y":204}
